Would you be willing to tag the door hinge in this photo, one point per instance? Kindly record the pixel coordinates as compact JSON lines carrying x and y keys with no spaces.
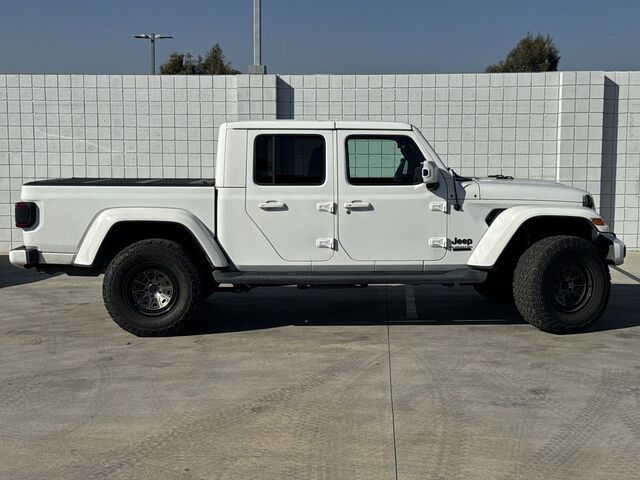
{"x":439,"y":206}
{"x":326,"y":243}
{"x":438,"y":242}
{"x":326,"y":207}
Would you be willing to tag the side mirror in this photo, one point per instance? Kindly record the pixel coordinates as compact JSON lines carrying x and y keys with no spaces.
{"x":430,"y":172}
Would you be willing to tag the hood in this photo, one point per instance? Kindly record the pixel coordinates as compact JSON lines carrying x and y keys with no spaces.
{"x":515,"y":189}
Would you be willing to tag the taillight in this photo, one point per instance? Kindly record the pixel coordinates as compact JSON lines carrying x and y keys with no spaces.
{"x":25,"y":214}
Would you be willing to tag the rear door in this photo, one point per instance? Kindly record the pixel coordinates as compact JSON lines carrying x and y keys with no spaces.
{"x":386,"y":214}
{"x":290,"y":192}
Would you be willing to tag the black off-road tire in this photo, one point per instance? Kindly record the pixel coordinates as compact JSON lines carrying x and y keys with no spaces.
{"x":540,"y":282}
{"x":178,"y":276}
{"x":497,"y":287}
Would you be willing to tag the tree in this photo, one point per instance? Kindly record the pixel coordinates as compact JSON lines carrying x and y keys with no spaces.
{"x":213,"y":63}
{"x":178,"y":64}
{"x":531,"y":54}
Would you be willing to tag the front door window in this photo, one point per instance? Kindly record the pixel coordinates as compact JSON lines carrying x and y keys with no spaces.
{"x":383,"y":160}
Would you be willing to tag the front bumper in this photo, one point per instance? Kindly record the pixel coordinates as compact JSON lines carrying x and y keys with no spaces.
{"x":24,"y":257}
{"x":617,"y":249}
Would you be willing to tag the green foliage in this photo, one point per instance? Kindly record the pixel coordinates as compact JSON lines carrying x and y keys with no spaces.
{"x":213,"y":63}
{"x":179,"y":64}
{"x":531,"y":54}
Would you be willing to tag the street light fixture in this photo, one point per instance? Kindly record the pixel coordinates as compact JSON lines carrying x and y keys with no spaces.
{"x":152,"y":37}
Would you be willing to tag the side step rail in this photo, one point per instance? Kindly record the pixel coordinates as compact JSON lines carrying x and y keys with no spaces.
{"x":459,"y":275}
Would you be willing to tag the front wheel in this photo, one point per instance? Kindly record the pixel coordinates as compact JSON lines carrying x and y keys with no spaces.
{"x":561,"y":284}
{"x":151,"y":288}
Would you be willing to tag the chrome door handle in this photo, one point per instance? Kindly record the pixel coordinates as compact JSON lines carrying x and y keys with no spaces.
{"x":272,"y":205}
{"x":356,"y":205}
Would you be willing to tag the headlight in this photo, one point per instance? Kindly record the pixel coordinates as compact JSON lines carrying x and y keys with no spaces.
{"x":587,"y":201}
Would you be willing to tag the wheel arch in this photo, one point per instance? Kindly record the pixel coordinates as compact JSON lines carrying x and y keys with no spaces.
{"x":114,"y":229}
{"x":517,"y":228}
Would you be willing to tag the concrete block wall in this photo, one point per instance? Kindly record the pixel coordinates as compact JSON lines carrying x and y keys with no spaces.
{"x":621,"y":154}
{"x":580,"y":128}
{"x":571,"y":127}
{"x":479,"y":124}
{"x":116,"y":126}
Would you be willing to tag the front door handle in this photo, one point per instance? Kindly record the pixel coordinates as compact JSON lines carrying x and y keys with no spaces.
{"x":272,"y":205}
{"x":357,"y":205}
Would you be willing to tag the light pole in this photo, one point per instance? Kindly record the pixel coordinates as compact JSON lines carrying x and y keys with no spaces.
{"x":152,"y":37}
{"x":257,"y":67}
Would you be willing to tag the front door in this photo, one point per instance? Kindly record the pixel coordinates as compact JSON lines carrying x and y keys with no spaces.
{"x":290,"y":192}
{"x":385,"y":211}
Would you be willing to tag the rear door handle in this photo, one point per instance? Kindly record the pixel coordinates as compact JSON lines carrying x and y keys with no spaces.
{"x":272,"y":205}
{"x":356,"y":205}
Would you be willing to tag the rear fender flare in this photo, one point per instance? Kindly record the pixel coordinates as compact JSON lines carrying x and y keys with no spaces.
{"x":106,"y":219}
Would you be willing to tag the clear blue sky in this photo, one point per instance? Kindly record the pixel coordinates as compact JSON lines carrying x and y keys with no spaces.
{"x":321,"y":36}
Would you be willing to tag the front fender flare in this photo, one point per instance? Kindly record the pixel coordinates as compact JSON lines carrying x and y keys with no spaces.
{"x":504,"y":227}
{"x":102,"y":223}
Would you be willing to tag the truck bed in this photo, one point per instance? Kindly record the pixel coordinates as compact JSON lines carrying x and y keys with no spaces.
{"x":126,"y":182}
{"x":68,"y":207}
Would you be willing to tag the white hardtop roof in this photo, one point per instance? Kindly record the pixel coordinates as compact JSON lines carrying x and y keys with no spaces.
{"x":316,"y":125}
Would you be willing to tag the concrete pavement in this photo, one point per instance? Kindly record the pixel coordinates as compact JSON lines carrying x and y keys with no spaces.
{"x":383,"y":382}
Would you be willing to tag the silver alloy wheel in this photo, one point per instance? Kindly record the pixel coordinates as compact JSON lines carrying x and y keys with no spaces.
{"x":152,"y":291}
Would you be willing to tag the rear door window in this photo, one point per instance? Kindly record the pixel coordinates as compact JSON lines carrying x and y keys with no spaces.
{"x":289,"y":160}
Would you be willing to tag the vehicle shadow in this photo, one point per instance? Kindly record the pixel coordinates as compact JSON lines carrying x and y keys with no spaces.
{"x":623,"y":310}
{"x":380,"y":305}
{"x":11,"y":276}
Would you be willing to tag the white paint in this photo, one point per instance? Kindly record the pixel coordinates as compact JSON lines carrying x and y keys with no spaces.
{"x":106,"y":219}
{"x":496,"y":238}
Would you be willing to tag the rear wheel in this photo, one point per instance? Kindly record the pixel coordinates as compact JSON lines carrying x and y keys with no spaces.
{"x":151,"y":288}
{"x":561,"y":284}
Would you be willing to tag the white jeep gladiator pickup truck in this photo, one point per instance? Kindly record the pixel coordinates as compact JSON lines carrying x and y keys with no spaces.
{"x":321,"y":203}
